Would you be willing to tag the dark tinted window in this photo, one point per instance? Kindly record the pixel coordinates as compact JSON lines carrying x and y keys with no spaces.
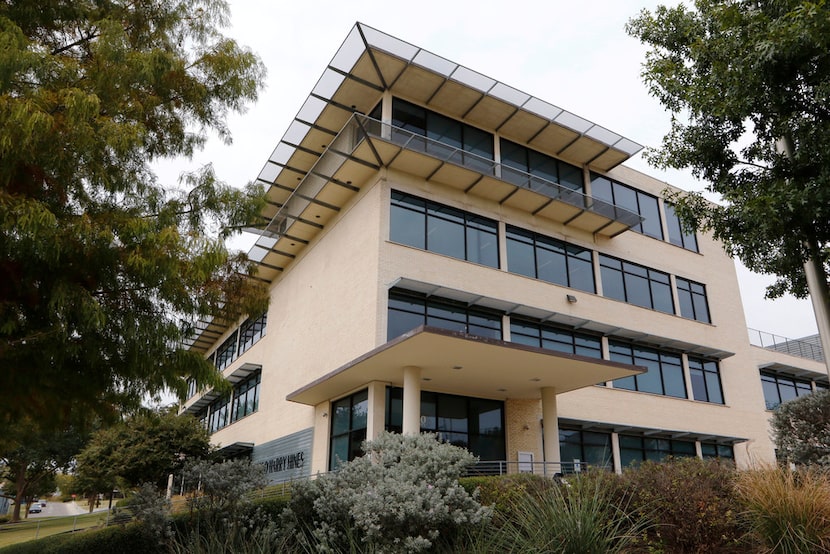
{"x":442,"y":229}
{"x":636,"y":284}
{"x":665,"y":370}
{"x":631,"y":199}
{"x":409,"y":310}
{"x":549,"y":259}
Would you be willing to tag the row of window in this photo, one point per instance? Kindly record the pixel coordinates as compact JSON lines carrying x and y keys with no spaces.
{"x":243,"y":338}
{"x":444,"y":230}
{"x":780,"y":388}
{"x":454,"y":134}
{"x":594,"y":448}
{"x":665,"y":374}
{"x":242,"y":402}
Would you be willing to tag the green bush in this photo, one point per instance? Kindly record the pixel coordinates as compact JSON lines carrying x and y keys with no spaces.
{"x":403,"y":495}
{"x":788,"y":511}
{"x":129,"y":538}
{"x":503,"y":492}
{"x":693,"y":502}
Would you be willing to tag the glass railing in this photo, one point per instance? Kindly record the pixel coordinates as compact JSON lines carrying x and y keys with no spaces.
{"x":413,"y":141}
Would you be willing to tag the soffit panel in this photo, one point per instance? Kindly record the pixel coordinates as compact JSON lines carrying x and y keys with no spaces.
{"x":522,"y":127}
{"x":333,"y":118}
{"x":417,"y":84}
{"x":317,"y":140}
{"x":455,"y":177}
{"x":608,"y":160}
{"x":492,"y":189}
{"x":553,"y":138}
{"x":454,"y":99}
{"x":358,"y":95}
{"x":390,"y":66}
{"x":583,"y":150}
{"x":490,"y":113}
{"x":526,"y":200}
{"x":364,"y":69}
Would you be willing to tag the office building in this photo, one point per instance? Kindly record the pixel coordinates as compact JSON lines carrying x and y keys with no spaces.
{"x":446,"y":253}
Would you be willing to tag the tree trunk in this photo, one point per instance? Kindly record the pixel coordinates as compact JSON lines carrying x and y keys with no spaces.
{"x":20,"y":489}
{"x":820,"y":297}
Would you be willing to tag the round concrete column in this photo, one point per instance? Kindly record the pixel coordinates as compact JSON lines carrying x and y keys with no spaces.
{"x":411,"y":400}
{"x":550,"y":424}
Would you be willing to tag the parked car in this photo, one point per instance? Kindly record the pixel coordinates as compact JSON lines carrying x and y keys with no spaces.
{"x":35,"y":509}
{"x":42,"y":503}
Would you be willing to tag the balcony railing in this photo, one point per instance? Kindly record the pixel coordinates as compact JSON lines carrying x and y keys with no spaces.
{"x":795,"y":347}
{"x":409,"y":140}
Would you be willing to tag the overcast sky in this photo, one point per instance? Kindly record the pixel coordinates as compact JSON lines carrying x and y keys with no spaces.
{"x":575,"y":55}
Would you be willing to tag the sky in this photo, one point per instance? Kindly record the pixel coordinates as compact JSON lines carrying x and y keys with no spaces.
{"x":575,"y":55}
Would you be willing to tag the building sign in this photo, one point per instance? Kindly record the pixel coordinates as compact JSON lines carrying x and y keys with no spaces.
{"x":285,"y":458}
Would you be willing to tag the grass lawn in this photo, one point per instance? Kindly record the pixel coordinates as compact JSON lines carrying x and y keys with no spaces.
{"x":12,"y":533}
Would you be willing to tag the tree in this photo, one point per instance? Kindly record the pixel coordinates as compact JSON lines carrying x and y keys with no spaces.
{"x":801,"y":429}
{"x":741,"y":77}
{"x":103,"y":269}
{"x":31,"y":456}
{"x":145,"y":448}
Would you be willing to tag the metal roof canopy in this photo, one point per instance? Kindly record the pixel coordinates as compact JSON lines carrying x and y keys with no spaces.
{"x":454,"y":362}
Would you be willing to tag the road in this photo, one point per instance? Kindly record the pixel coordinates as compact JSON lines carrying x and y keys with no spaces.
{"x":63,"y":509}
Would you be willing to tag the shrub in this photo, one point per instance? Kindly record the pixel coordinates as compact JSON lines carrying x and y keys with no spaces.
{"x":801,"y":429}
{"x":403,"y":495}
{"x":788,"y":511}
{"x":693,"y":503}
{"x":130,"y":538}
{"x":580,"y":516}
{"x":503,"y":492}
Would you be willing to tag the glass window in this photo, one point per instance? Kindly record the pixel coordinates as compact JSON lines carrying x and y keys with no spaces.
{"x":677,"y":235}
{"x":251,"y":331}
{"x":714,"y":450}
{"x":549,"y":259}
{"x":631,"y":199}
{"x":635,"y":449}
{"x":706,"y":385}
{"x":409,"y":310}
{"x":246,"y":397}
{"x":438,"y":228}
{"x":664,"y":375}
{"x":448,"y":132}
{"x":348,"y":428}
{"x":692,"y":298}
{"x":226,"y":353}
{"x":476,"y":424}
{"x":554,"y":338}
{"x":539,"y":165}
{"x":588,"y":447}
{"x":780,"y":388}
{"x":635,"y":284}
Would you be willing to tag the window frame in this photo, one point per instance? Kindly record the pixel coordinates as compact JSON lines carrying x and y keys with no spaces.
{"x":569,"y":253}
{"x":641,"y":381}
{"x":709,"y":378}
{"x":697,"y":300}
{"x":624,"y":269}
{"x":471,"y":226}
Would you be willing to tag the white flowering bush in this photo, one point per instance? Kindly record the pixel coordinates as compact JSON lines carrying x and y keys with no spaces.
{"x":401,"y":496}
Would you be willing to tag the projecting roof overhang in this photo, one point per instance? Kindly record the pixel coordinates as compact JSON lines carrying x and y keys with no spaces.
{"x":648,"y":431}
{"x":458,"y":363}
{"x":793,"y":371}
{"x":235,"y":450}
{"x":513,"y":308}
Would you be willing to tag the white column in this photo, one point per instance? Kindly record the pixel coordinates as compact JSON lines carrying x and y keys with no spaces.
{"x":411,"y":400}
{"x":377,"y":410}
{"x":550,"y":424}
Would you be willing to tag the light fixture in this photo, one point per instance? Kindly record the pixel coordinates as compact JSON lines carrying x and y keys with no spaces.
{"x":325,"y":414}
{"x":457,"y":367}
{"x":571,"y":298}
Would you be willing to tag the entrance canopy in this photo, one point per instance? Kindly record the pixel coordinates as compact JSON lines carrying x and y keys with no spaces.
{"x":458,"y":363}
